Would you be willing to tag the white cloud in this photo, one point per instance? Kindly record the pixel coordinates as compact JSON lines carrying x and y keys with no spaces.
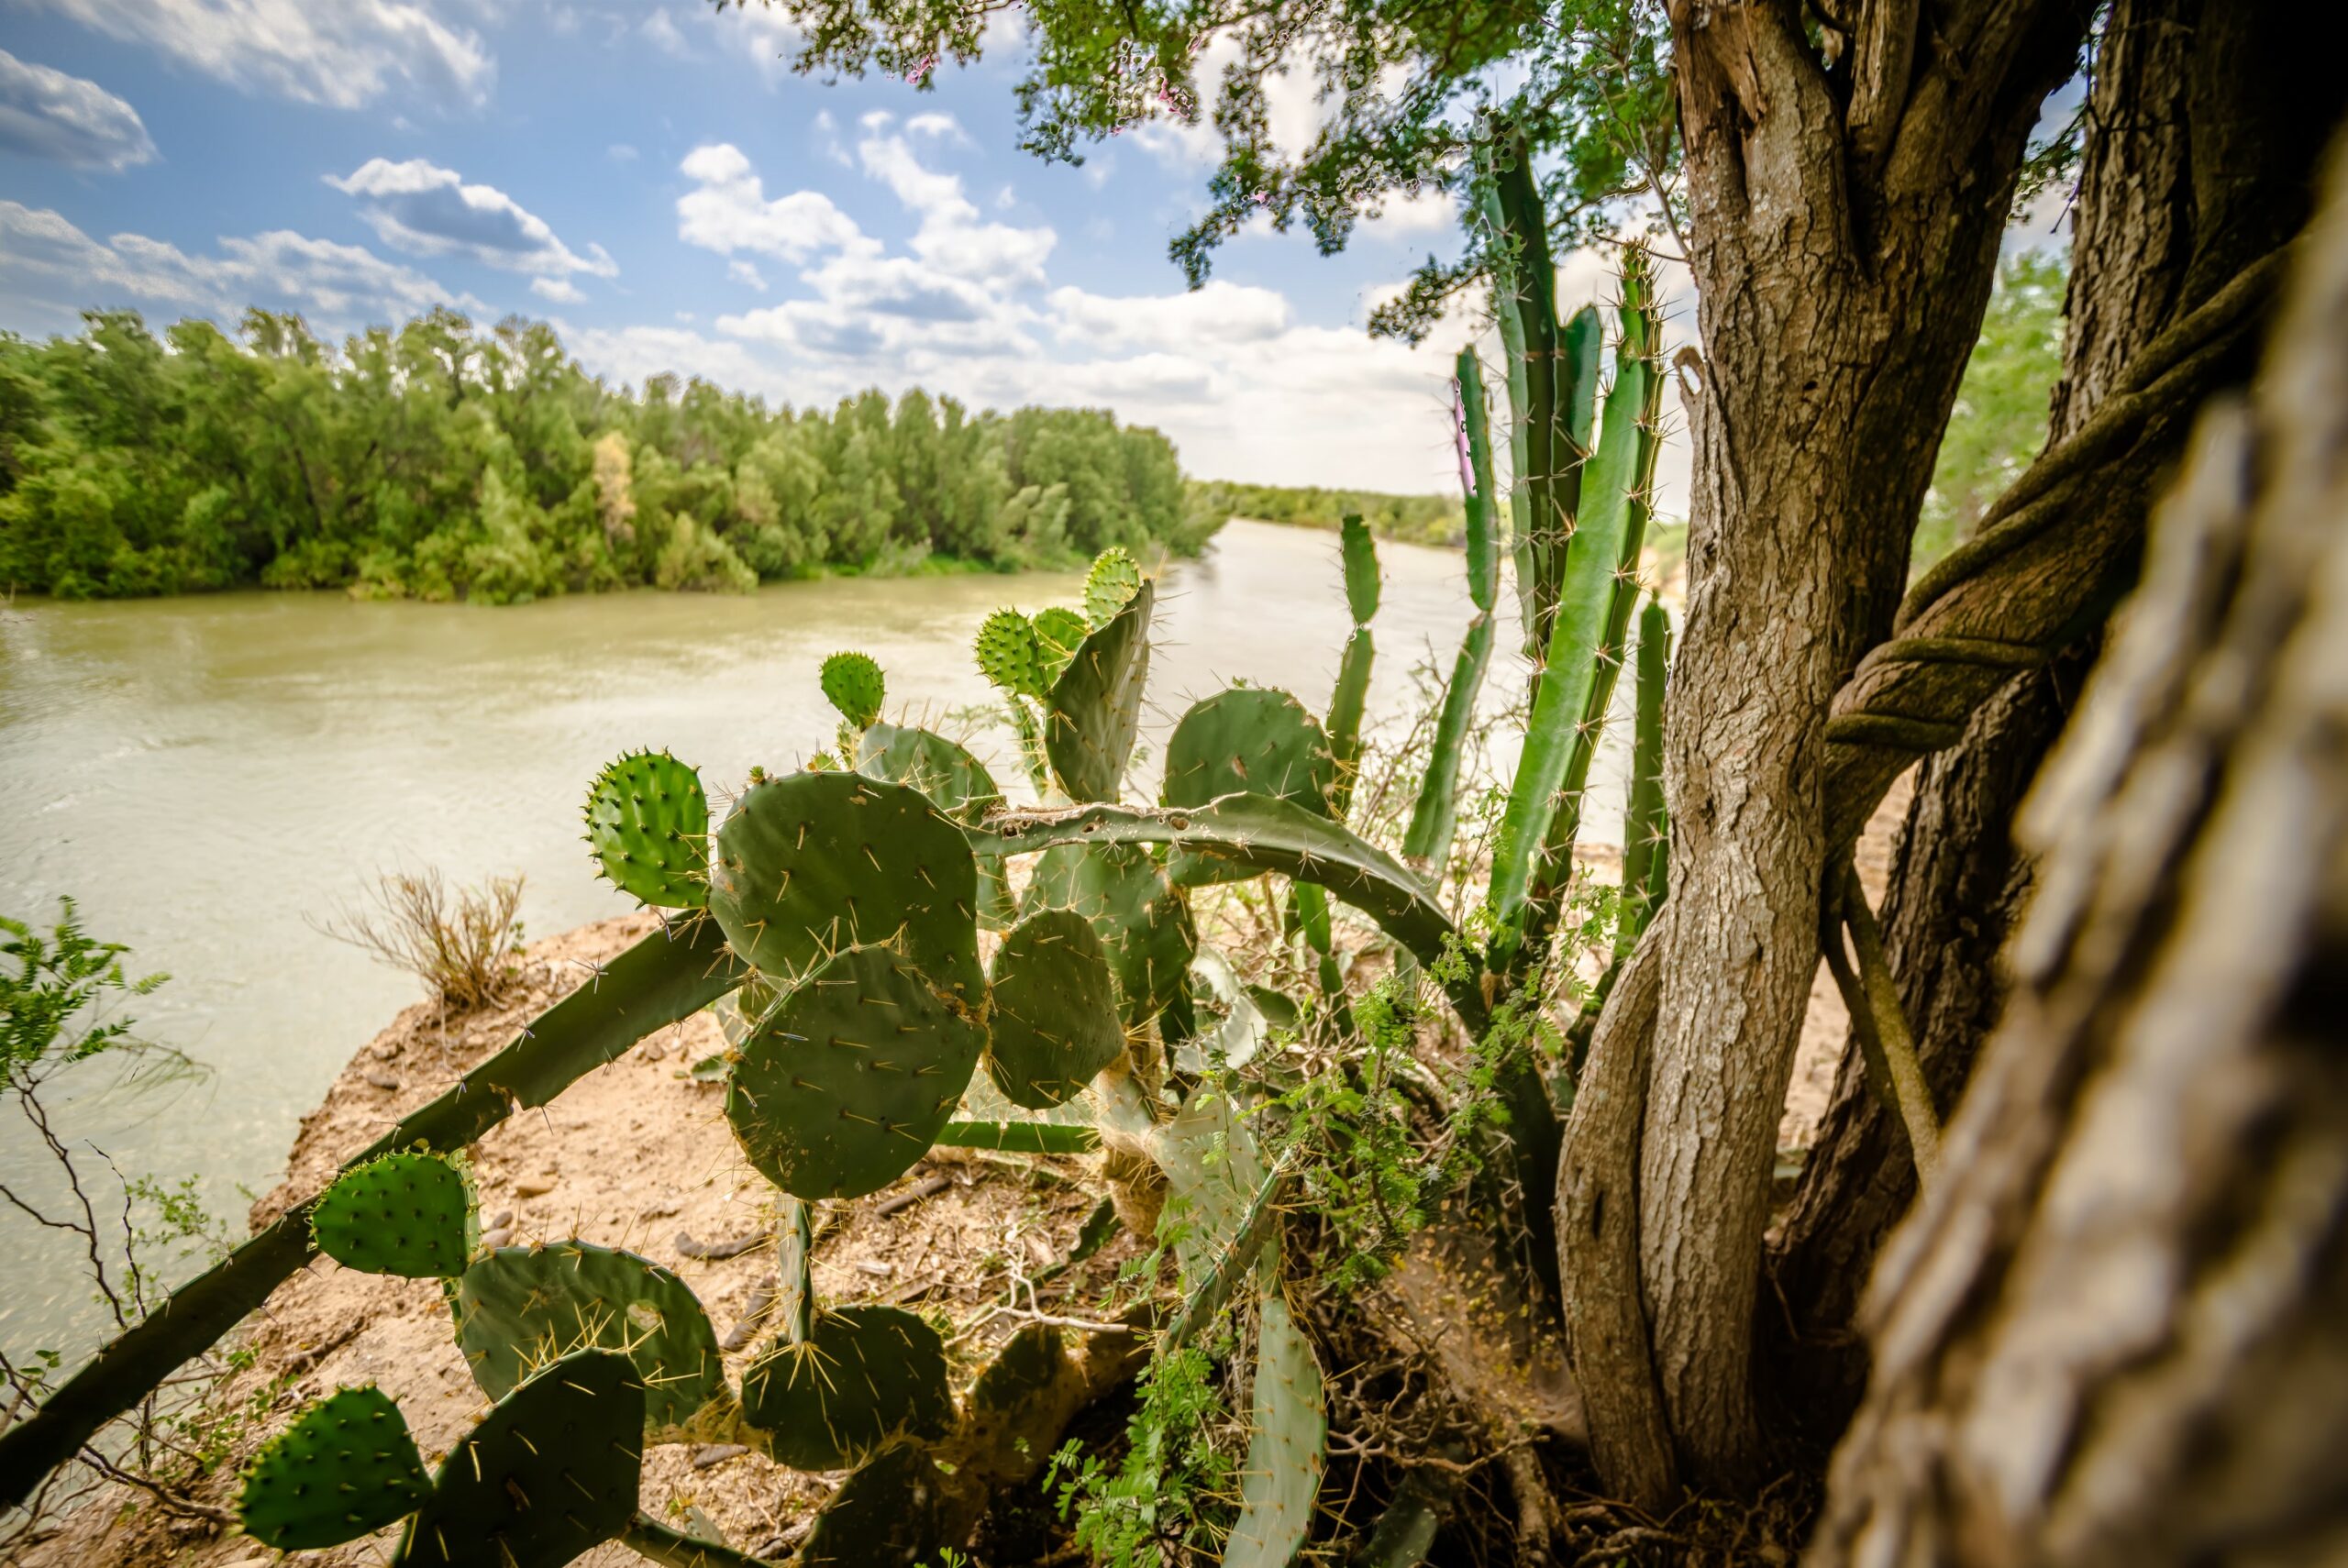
{"x":342,"y":53}
{"x":1220,"y":311}
{"x":729,"y":211}
{"x":951,"y":238}
{"x":766,"y":35}
{"x":562,"y":291}
{"x":422,"y":208}
{"x":340,"y":284}
{"x":944,"y":126}
{"x":632,"y":353}
{"x":744,"y":273}
{"x":64,"y":119}
{"x":660,"y":29}
{"x":620,"y":153}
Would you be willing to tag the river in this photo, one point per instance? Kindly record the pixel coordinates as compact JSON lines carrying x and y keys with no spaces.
{"x":213,"y":777}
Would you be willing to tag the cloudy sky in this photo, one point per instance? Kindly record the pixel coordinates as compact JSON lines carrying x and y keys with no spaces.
{"x":652,"y":179}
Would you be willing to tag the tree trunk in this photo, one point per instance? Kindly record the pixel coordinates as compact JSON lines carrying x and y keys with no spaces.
{"x":2159,"y":234}
{"x":2117,"y":1330}
{"x":1845,"y":231}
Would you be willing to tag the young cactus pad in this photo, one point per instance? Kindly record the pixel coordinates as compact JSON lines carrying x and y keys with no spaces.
{"x":1359,"y":553}
{"x":853,"y":684}
{"x":1060,"y":631}
{"x":1111,"y":585}
{"x":1141,"y":921}
{"x":406,"y":1214}
{"x":956,"y":783}
{"x":1052,"y":1023}
{"x":1009,"y":655}
{"x":851,"y":1077}
{"x":647,"y":823}
{"x":816,"y":862}
{"x":549,"y":1472}
{"x":890,"y":1514}
{"x":1249,"y":741}
{"x":346,"y":1468}
{"x":520,"y":1307}
{"x":863,"y":1376}
{"x":1094,"y":709}
{"x":1285,"y":1443}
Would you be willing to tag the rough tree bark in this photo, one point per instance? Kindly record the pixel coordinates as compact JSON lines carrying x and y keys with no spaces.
{"x":1846,"y":220}
{"x":2117,"y":1330}
{"x":2204,"y":130}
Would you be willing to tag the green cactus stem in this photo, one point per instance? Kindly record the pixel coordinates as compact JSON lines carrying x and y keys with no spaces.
{"x":549,"y":1472}
{"x":520,"y":1308}
{"x":1359,"y":553}
{"x":1643,"y":855}
{"x":853,"y":684}
{"x":1434,"y":815}
{"x":1093,"y":710}
{"x":1052,"y":1020}
{"x":955,"y":782}
{"x":346,"y":1467}
{"x":794,"y":1266}
{"x":849,"y":1080}
{"x":1060,"y":631}
{"x":864,"y":1375}
{"x":406,"y":1214}
{"x":1019,"y":1137}
{"x":1584,"y":652}
{"x":817,"y":862}
{"x":1287,"y":1442}
{"x":647,"y":823}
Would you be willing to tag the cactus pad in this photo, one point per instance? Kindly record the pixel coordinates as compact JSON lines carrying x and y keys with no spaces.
{"x":1111,"y":585}
{"x":1249,"y":741}
{"x":406,"y":1214}
{"x":1009,"y":655}
{"x":549,"y":1472}
{"x":521,"y":1308}
{"x":817,"y":862}
{"x":1284,"y":1444}
{"x":1093,"y":709}
{"x":849,"y":1079}
{"x":1360,"y":554}
{"x":1052,"y":1023}
{"x":853,"y":684}
{"x":648,"y":822}
{"x":1141,"y":921}
{"x":955,"y":782}
{"x":1060,"y":631}
{"x":863,"y":1376}
{"x":346,"y":1468}
{"x":890,"y":1514}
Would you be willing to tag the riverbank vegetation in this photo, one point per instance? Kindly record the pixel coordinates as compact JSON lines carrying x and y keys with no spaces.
{"x":1407,"y":519}
{"x":441,"y":461}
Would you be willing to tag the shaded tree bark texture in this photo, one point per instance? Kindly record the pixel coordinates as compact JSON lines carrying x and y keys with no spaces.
{"x":2116,"y":1332}
{"x":2206,"y":124}
{"x":1846,"y":221}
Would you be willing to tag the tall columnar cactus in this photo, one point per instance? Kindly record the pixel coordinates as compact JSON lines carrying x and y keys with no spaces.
{"x":1434,"y":816}
{"x":1598,"y":589}
{"x":1645,"y":831}
{"x":1552,"y":381}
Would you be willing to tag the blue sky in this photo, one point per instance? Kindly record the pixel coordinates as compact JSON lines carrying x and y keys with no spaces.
{"x":655,"y":181}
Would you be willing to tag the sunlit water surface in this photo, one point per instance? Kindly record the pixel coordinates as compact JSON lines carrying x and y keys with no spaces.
{"x":212,"y":777}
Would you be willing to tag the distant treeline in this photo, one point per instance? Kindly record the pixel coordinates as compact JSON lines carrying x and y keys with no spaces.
{"x":1413,"y":519}
{"x":439,"y":461}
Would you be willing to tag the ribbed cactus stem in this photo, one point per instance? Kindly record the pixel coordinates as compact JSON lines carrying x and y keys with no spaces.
{"x":794,"y":1268}
{"x":1642,"y":810}
{"x":1435,"y":815}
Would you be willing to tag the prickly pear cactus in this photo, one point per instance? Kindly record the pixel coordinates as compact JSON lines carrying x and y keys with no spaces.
{"x":408,"y":1214}
{"x":346,"y":1468}
{"x":1052,"y":1023}
{"x":890,"y":1514}
{"x":1286,"y":1440}
{"x":1010,"y":655}
{"x":520,"y":1307}
{"x":864,"y":1375}
{"x":818,"y":862}
{"x":1111,"y":585}
{"x":1093,"y":711}
{"x":1060,"y":631}
{"x":851,"y":1077}
{"x":854,"y":685}
{"x":1141,"y":921}
{"x":1249,"y":741}
{"x":647,"y":823}
{"x":955,"y":782}
{"x":549,"y":1472}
